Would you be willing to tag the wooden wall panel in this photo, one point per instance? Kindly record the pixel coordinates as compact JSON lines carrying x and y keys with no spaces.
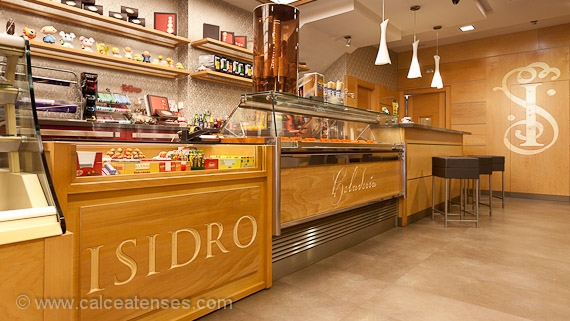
{"x":473,"y":69}
{"x":556,"y":36}
{"x":462,"y":71}
{"x":468,"y":113}
{"x":468,"y":92}
{"x":477,"y":137}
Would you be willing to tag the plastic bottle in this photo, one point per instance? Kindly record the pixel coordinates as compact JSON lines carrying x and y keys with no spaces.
{"x":395,"y":107}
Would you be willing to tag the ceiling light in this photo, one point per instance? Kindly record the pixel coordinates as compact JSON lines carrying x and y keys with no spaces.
{"x":348,"y":39}
{"x":436,"y":82}
{"x":415,"y":71}
{"x":467,"y":28}
{"x":383,"y":56}
{"x":289,"y":2}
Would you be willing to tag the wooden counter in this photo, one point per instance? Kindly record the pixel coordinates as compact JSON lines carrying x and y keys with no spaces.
{"x":168,"y":245}
{"x":422,"y":143}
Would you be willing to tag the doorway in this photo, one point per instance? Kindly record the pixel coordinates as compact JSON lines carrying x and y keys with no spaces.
{"x":427,"y":107}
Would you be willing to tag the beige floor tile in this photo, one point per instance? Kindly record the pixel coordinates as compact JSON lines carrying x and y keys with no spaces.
{"x":407,"y":304}
{"x":515,"y":266}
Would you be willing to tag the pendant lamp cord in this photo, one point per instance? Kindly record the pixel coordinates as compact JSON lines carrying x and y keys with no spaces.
{"x":382,"y":10}
{"x":437,"y":43}
{"x":414,"y":26}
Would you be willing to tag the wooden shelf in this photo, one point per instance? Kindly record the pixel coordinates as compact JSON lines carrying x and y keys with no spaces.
{"x":79,"y":56}
{"x":214,"y":76}
{"x":224,"y":49}
{"x":78,"y":16}
{"x":230,"y":51}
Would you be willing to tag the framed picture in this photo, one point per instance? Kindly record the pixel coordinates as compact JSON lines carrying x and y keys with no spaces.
{"x":227,"y":37}
{"x":166,"y":22}
{"x":240,"y":41}
{"x":211,"y":31}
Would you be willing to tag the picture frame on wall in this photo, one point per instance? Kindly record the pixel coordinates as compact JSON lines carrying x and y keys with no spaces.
{"x":240,"y":41}
{"x":166,"y":21}
{"x":211,"y":31}
{"x":227,"y":37}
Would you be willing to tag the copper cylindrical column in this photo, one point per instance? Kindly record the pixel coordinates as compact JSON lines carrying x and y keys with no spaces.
{"x":275,"y":48}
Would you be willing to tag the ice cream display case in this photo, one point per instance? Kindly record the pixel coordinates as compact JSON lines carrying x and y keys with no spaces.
{"x":28,"y":207}
{"x":327,"y":161}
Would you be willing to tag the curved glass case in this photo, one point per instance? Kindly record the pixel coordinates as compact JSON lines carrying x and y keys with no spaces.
{"x":28,"y":206}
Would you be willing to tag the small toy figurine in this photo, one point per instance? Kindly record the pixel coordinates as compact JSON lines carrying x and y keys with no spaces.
{"x":128,"y":52}
{"x":170,"y":62}
{"x":161,"y":61}
{"x":48,"y":32}
{"x":178,"y":65}
{"x":146,"y":56}
{"x":116,"y":52}
{"x":87,"y":43}
{"x":10,"y":26}
{"x":29,"y":33}
{"x":67,"y":39}
{"x":155,"y":61}
{"x":138,"y":57}
{"x":102,"y":48}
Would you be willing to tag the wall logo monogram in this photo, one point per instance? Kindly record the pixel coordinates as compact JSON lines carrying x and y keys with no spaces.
{"x":528,"y":77}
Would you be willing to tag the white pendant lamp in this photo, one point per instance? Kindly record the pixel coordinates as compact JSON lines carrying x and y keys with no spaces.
{"x":436,"y":82}
{"x":415,"y":71}
{"x":383,"y":56}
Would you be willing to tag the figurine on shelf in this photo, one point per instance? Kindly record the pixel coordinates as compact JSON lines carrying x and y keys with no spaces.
{"x":146,"y":56}
{"x":170,"y":62}
{"x":11,"y":26}
{"x":128,"y":52}
{"x":102,"y":48}
{"x":116,"y":52}
{"x":29,"y":33}
{"x":138,"y":57}
{"x":48,"y":32}
{"x":179,"y":65}
{"x":87,"y":43}
{"x":161,"y":61}
{"x":67,"y":39}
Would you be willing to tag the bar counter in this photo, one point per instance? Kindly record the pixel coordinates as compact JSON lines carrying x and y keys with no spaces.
{"x":422,"y":143}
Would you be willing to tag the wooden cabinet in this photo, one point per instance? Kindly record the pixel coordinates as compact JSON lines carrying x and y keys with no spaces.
{"x":182,"y":237}
{"x":77,"y":16}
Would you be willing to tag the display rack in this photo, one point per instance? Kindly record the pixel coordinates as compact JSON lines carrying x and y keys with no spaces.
{"x":230,"y":51}
{"x":28,"y":206}
{"x":78,"y":16}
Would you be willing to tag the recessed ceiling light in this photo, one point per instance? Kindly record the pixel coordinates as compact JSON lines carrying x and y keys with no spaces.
{"x":467,"y":28}
{"x":291,"y":2}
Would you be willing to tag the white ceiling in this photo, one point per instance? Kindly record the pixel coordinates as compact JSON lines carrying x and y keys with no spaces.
{"x":325,"y":23}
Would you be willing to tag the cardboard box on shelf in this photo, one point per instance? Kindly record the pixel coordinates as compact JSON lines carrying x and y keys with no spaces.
{"x":89,"y":163}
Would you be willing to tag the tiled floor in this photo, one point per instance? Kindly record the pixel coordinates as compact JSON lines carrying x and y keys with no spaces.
{"x":515,"y":266}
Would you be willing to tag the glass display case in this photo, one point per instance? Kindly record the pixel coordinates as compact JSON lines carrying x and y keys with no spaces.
{"x":327,"y":159}
{"x":304,"y":122}
{"x":28,"y":206}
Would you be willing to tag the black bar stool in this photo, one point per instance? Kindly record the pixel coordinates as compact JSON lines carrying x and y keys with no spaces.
{"x":486,"y":168}
{"x":463,"y":168}
{"x":499,"y":166}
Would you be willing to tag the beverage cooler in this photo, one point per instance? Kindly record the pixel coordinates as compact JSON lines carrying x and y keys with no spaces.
{"x":333,"y":178}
